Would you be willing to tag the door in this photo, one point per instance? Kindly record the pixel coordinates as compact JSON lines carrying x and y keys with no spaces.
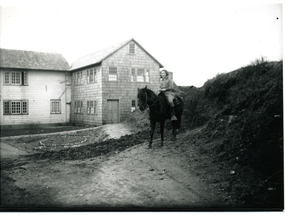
{"x":112,"y":111}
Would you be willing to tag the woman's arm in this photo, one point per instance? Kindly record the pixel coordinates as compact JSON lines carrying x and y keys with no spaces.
{"x":167,"y":85}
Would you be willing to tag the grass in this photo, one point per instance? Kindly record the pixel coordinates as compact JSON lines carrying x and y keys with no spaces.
{"x":243,"y":110}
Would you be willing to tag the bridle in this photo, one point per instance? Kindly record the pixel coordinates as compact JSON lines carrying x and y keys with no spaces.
{"x":145,"y":106}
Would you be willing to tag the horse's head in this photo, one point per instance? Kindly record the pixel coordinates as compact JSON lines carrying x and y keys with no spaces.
{"x":142,"y":98}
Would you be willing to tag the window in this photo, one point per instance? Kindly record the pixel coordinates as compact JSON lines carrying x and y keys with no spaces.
{"x":133,"y":105}
{"x":91,"y":107}
{"x":140,"y":75}
{"x":78,"y":77}
{"x":15,"y":107}
{"x":78,"y":106}
{"x":91,"y":75}
{"x":15,"y":78}
{"x":132,"y":48}
{"x":133,"y":75}
{"x":55,"y":106}
{"x":113,"y":75}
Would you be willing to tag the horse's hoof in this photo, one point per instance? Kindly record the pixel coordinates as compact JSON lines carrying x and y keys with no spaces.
{"x":148,"y":147}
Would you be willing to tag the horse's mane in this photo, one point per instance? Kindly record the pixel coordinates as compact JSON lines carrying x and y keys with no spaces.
{"x":149,"y":91}
{"x":160,"y":97}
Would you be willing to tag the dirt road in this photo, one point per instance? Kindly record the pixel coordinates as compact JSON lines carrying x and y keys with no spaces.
{"x":8,"y":151}
{"x":134,"y":179}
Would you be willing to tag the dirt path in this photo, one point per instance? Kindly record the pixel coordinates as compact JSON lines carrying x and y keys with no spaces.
{"x":8,"y":151}
{"x":136,"y":178}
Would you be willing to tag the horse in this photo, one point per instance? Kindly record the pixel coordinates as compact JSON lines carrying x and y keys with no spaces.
{"x":159,"y":111}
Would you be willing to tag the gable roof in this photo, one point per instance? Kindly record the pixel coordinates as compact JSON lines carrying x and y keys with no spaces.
{"x":99,"y":56}
{"x":19,"y":59}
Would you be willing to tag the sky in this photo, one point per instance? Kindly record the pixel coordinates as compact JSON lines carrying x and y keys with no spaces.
{"x":196,"y":40}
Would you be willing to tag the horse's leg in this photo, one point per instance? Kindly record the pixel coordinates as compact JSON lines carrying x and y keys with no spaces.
{"x":162,"y":131}
{"x":152,"y":127}
{"x":178,"y":123}
{"x":174,"y":122}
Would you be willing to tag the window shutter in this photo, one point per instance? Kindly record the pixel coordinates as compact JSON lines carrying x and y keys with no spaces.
{"x":147,"y":75}
{"x":25,"y":107}
{"x":88,"y":107}
{"x":91,"y":75}
{"x":88,"y":78}
{"x":133,"y":75}
{"x":25,"y":82}
{"x":95,"y":75}
{"x":6,"y":108}
{"x":7,"y":78}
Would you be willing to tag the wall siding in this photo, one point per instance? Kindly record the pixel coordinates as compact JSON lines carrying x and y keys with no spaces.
{"x":85,"y":92}
{"x":103,"y":90}
{"x":124,"y":89}
{"x":42,"y":86}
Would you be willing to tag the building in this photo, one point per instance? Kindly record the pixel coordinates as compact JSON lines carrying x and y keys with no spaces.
{"x":99,"y":88}
{"x":34,"y":88}
{"x":104,"y":83}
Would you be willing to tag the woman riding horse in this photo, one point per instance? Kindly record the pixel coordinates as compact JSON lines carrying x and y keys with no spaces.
{"x":167,"y":86}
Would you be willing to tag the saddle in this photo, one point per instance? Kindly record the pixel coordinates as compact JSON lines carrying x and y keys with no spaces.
{"x":177,"y":99}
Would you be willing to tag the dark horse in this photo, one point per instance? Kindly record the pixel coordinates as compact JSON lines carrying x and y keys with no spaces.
{"x":159,"y":111}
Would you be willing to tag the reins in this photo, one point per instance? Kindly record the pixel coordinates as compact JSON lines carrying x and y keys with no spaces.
{"x":146,"y":102}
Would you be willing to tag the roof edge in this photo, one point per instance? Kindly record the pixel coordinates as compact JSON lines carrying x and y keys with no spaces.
{"x":16,"y":68}
{"x":84,"y":67}
{"x":160,"y":65}
{"x":126,"y":42}
{"x":123,"y":44}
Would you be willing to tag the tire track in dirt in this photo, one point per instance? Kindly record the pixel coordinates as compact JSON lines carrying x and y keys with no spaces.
{"x":134,"y":178}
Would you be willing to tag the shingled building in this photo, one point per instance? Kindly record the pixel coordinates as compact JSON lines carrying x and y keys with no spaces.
{"x":99,"y":88}
{"x":104,"y":83}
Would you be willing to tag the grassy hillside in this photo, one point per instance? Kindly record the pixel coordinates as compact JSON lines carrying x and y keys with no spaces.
{"x":242,"y":112}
